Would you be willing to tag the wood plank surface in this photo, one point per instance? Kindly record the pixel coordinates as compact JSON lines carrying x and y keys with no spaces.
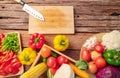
{"x":90,"y":17}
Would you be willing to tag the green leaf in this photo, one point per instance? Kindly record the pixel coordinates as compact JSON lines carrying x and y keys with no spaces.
{"x":82,"y":64}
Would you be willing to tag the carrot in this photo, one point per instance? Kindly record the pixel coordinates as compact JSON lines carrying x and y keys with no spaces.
{"x":79,"y":72}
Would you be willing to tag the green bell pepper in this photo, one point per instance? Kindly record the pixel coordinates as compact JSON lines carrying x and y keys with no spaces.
{"x":112,"y":57}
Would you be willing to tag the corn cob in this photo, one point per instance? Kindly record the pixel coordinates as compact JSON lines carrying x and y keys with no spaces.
{"x":35,"y":71}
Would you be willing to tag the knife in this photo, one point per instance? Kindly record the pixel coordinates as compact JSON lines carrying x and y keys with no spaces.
{"x":30,"y":10}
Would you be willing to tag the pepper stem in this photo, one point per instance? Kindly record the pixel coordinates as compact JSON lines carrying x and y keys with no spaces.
{"x":36,"y":40}
{"x":62,"y":42}
{"x":26,"y":58}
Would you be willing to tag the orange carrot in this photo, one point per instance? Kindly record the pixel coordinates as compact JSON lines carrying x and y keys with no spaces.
{"x":79,"y":72}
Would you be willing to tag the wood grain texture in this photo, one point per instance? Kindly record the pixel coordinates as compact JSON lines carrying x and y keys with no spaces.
{"x":99,"y":13}
{"x":90,"y":16}
{"x":58,"y":20}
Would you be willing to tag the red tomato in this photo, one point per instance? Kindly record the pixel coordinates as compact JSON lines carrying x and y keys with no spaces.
{"x":16,"y":65}
{"x":9,"y":63}
{"x":85,"y":54}
{"x":100,"y":62}
{"x":52,"y":62}
{"x":61,"y":60}
{"x":15,"y":71}
{"x":92,"y":68}
{"x":45,"y":51}
{"x":53,"y":70}
{"x":99,"y":48}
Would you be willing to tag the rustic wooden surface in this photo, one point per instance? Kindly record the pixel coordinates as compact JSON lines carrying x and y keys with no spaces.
{"x":91,"y":17}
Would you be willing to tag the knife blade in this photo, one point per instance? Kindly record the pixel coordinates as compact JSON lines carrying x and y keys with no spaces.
{"x":30,"y":10}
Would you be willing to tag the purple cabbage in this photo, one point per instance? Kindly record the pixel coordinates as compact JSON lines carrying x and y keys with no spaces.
{"x":108,"y":72}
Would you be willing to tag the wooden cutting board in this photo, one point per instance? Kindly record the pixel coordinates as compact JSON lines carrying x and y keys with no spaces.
{"x":58,"y":20}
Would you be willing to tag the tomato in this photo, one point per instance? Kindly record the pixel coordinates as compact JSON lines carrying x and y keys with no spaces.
{"x":52,"y":62}
{"x":53,"y":70}
{"x":100,"y":62}
{"x":9,"y":64}
{"x":45,"y":51}
{"x":92,"y":68}
{"x":85,"y":54}
{"x":15,"y":71}
{"x":99,"y":48}
{"x":95,"y":54}
{"x":61,"y":60}
{"x":16,"y":65}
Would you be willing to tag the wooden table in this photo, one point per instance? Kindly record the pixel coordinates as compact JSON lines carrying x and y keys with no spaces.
{"x":91,"y":17}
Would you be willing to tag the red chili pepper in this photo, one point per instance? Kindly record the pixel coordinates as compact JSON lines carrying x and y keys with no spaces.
{"x":36,"y":41}
{"x":2,"y":36}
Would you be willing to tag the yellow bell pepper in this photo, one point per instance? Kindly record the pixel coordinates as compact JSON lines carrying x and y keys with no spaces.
{"x":27,"y":56}
{"x":61,"y":42}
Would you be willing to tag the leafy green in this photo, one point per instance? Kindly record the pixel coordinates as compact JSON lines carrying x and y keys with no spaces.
{"x":82,"y":64}
{"x":11,"y":42}
{"x":54,"y":54}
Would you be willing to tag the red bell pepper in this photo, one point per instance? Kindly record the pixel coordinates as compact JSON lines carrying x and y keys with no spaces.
{"x":36,"y":41}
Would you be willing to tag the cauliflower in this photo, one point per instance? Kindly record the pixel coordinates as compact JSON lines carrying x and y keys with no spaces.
{"x":90,"y":43}
{"x":112,"y":40}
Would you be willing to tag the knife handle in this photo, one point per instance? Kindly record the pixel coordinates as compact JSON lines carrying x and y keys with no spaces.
{"x":20,"y":1}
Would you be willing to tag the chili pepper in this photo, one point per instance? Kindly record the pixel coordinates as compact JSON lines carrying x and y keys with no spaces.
{"x":27,"y":56}
{"x":36,"y":41}
{"x":112,"y":57}
{"x":61,"y":42}
{"x":2,"y":36}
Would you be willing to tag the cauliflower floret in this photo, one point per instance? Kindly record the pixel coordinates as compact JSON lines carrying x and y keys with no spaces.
{"x":112,"y":40}
{"x":90,"y":43}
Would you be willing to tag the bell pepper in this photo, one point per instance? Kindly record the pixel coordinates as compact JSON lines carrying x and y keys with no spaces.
{"x":61,"y":42}
{"x":36,"y":41}
{"x":112,"y":57}
{"x":27,"y":56}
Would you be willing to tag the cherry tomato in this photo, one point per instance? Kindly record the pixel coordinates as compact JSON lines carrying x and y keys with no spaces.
{"x":100,"y":62}
{"x":99,"y":48}
{"x":85,"y":54}
{"x":45,"y":51}
{"x":61,"y":60}
{"x":52,"y":62}
{"x":92,"y":68}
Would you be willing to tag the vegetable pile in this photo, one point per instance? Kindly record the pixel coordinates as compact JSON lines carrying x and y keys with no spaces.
{"x":57,"y":63}
{"x":103,"y":59}
{"x":9,"y":48}
{"x":9,"y":63}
